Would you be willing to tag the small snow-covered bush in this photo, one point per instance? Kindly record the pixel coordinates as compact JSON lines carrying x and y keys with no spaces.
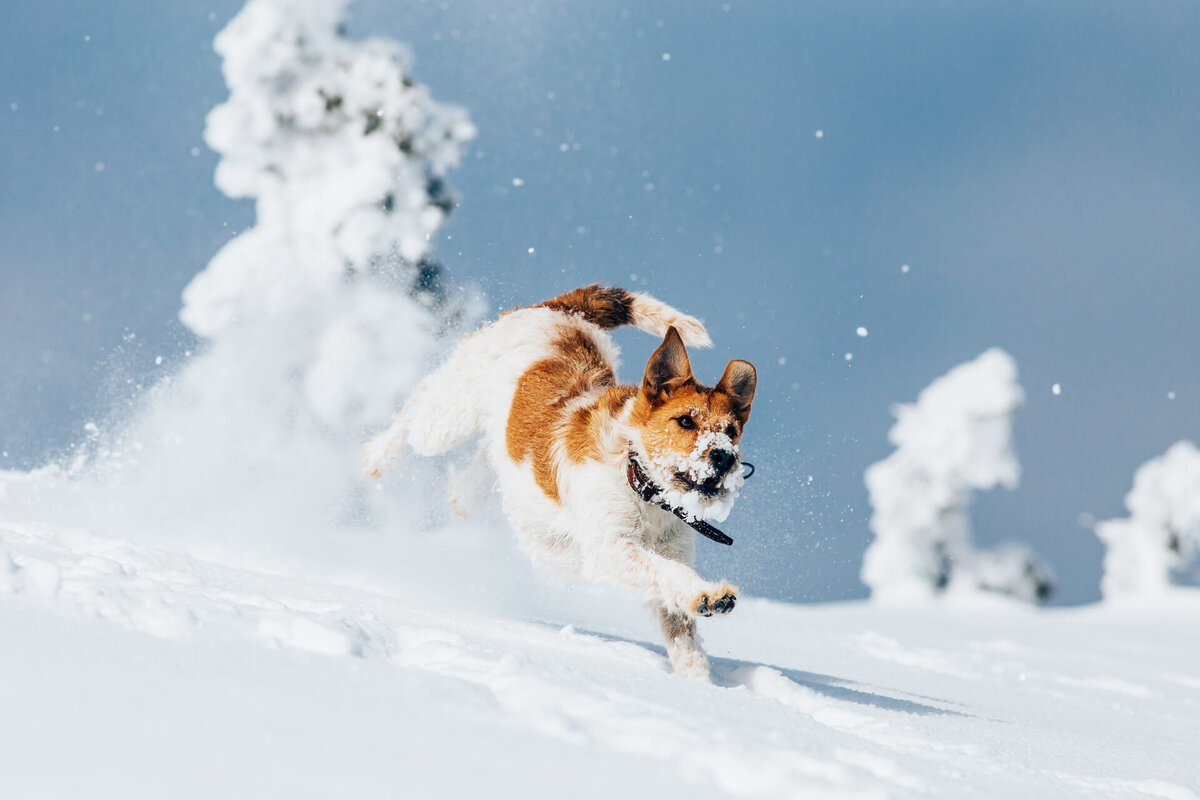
{"x":1158,"y":545}
{"x":955,"y":440}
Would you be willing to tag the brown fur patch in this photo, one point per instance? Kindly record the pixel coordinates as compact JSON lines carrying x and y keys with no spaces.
{"x":722,"y":406}
{"x":582,"y":435}
{"x":539,"y":408}
{"x":676,"y":626}
{"x":605,"y":306}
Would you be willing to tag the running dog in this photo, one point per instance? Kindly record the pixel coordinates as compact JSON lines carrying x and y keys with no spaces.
{"x":598,"y":479}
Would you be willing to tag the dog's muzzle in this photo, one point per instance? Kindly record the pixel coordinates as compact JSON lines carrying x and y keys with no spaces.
{"x":644,"y":488}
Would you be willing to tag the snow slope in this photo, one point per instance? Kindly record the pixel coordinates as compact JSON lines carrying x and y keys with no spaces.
{"x":134,"y":670}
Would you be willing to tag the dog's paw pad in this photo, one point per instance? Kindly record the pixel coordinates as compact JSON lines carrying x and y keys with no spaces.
{"x":719,"y":600}
{"x":724,"y":604}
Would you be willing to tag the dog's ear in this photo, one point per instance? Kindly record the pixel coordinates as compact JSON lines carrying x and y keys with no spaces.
{"x":739,"y":382}
{"x":668,"y":369}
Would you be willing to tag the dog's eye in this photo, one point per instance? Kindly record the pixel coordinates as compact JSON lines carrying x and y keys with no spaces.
{"x":686,"y":422}
{"x":731,"y":431}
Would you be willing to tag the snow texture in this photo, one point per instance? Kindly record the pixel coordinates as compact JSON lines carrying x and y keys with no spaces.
{"x":140,"y":671}
{"x":1157,"y":546}
{"x":955,"y":440}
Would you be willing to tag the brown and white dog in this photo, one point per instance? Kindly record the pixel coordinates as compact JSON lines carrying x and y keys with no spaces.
{"x":539,"y":384}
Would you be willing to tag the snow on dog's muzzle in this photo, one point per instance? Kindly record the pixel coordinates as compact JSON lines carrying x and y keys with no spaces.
{"x":648,"y":491}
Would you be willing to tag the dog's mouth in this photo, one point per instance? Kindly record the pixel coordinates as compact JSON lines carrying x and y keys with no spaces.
{"x":710,"y":487}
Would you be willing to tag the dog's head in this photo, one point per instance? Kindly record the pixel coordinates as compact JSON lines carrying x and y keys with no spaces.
{"x":689,"y":433}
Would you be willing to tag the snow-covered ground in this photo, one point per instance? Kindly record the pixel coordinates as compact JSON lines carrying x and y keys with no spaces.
{"x":205,"y":599}
{"x":130,"y":669}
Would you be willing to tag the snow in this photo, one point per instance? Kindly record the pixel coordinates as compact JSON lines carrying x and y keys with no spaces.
{"x":344,"y":155}
{"x":955,"y":440}
{"x":207,"y":600}
{"x":317,"y":320}
{"x":150,"y":672}
{"x":1158,"y":546}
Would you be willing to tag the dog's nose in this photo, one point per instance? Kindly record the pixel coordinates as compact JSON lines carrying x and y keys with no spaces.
{"x":722,"y":460}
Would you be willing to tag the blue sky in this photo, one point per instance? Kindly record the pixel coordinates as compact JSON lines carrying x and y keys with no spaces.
{"x":1036,"y":167}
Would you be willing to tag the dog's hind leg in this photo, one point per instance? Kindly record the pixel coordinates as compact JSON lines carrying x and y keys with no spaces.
{"x":449,"y":407}
{"x":441,"y":413}
{"x":383,"y":452}
{"x":470,"y":484}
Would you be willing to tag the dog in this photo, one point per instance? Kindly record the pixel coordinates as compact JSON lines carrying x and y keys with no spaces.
{"x":565,"y":441}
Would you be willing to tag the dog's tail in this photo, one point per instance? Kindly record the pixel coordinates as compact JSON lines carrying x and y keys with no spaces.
{"x":610,"y":307}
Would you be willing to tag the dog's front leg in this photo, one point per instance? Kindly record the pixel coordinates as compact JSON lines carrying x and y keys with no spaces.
{"x":676,"y":586}
{"x":677,"y":595}
{"x":683,"y":642}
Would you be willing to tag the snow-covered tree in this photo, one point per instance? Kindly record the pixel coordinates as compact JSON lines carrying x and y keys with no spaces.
{"x":955,"y":440}
{"x":1158,"y":545}
{"x":345,"y":156}
{"x":321,"y":316}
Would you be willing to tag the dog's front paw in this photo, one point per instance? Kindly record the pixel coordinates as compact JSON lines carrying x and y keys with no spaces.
{"x":718,"y":598}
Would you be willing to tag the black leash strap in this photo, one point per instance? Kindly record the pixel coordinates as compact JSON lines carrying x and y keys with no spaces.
{"x":646,"y":490}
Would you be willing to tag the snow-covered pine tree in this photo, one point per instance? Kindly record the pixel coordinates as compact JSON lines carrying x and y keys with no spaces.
{"x":1158,"y":544}
{"x":345,"y":156}
{"x":955,"y":440}
{"x":323,"y":314}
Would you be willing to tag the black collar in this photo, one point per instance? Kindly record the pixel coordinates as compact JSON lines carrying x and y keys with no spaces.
{"x":644,"y":488}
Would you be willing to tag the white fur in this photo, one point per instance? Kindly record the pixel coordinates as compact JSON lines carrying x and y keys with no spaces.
{"x":654,"y":316}
{"x":600,"y":530}
{"x":469,"y":485}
